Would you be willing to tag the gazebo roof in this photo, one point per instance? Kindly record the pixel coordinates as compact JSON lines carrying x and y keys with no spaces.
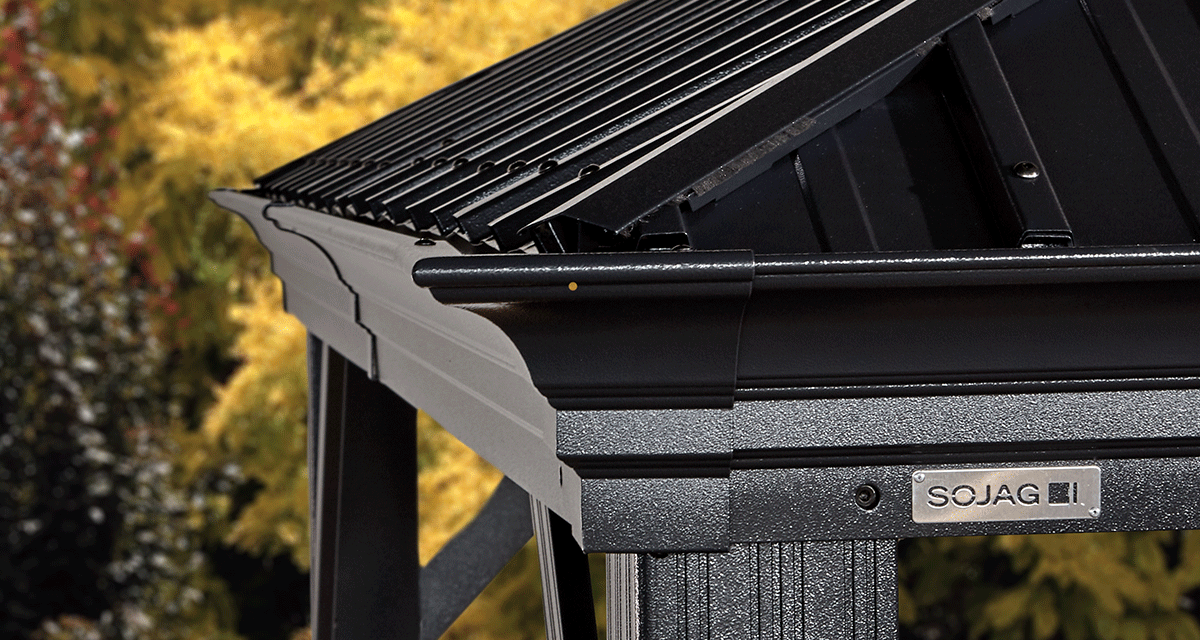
{"x":899,"y":123}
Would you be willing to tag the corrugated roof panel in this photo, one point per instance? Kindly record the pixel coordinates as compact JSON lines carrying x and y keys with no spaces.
{"x":671,"y":123}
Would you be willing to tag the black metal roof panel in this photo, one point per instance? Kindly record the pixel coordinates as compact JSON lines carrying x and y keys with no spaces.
{"x":912,"y":116}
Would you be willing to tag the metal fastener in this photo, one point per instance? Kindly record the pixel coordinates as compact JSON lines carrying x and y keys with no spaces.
{"x":1094,"y":512}
{"x":866,"y":496}
{"x":425,"y":242}
{"x":1026,"y":170}
{"x":918,"y":477}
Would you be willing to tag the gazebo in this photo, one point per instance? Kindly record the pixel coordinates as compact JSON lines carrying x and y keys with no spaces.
{"x":741,"y":293}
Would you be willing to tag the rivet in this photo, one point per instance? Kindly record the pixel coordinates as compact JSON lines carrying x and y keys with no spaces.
{"x":572,"y":286}
{"x":1094,"y":512}
{"x":918,"y":477}
{"x":425,"y":242}
{"x":1026,"y":170}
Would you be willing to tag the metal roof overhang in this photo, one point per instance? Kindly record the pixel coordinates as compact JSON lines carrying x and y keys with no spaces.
{"x":933,"y":276}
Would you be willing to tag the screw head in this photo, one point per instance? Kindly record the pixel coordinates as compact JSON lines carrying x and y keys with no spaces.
{"x":918,"y":477}
{"x":1094,"y":512}
{"x":1026,"y":170}
{"x":866,"y":496}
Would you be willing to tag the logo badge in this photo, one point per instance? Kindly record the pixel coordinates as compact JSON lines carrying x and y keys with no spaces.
{"x":991,"y":495}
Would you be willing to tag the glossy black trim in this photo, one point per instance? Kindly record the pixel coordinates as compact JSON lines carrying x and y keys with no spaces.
{"x":667,"y":329}
{"x":967,"y":453}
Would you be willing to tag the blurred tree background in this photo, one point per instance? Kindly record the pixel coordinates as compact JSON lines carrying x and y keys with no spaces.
{"x":152,"y":390}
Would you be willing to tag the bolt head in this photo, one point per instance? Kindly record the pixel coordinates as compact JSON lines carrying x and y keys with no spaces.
{"x":918,"y":477}
{"x":866,"y":496}
{"x":1094,"y":512}
{"x":1026,"y":170}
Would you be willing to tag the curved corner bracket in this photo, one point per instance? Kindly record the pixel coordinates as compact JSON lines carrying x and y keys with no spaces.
{"x":314,"y":291}
{"x":350,"y":331}
{"x":459,"y":367}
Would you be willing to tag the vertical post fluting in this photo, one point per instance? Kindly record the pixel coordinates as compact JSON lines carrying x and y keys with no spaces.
{"x":822,"y":590}
{"x":566,"y":579}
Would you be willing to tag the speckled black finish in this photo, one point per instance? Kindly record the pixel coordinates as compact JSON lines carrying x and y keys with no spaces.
{"x":787,"y":470}
{"x":839,"y":590}
{"x":678,"y":441}
{"x":1001,"y":418}
{"x":655,"y":514}
{"x":817,"y":504}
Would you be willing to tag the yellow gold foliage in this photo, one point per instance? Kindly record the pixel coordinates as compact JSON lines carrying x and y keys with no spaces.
{"x":226,"y":108}
{"x":1103,"y":585}
{"x":214,"y":94}
{"x":431,"y":43}
{"x":256,"y":430}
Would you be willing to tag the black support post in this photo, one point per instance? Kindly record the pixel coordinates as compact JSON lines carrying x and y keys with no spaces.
{"x":365,"y":569}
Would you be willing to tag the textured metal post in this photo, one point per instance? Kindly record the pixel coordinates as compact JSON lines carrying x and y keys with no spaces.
{"x":825,"y":590}
{"x":315,"y":351}
{"x":621,"y":596}
{"x":326,"y":387}
{"x":365,"y":571}
{"x":566,"y":580}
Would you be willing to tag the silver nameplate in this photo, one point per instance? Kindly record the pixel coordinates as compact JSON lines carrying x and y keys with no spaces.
{"x":990,"y":495}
